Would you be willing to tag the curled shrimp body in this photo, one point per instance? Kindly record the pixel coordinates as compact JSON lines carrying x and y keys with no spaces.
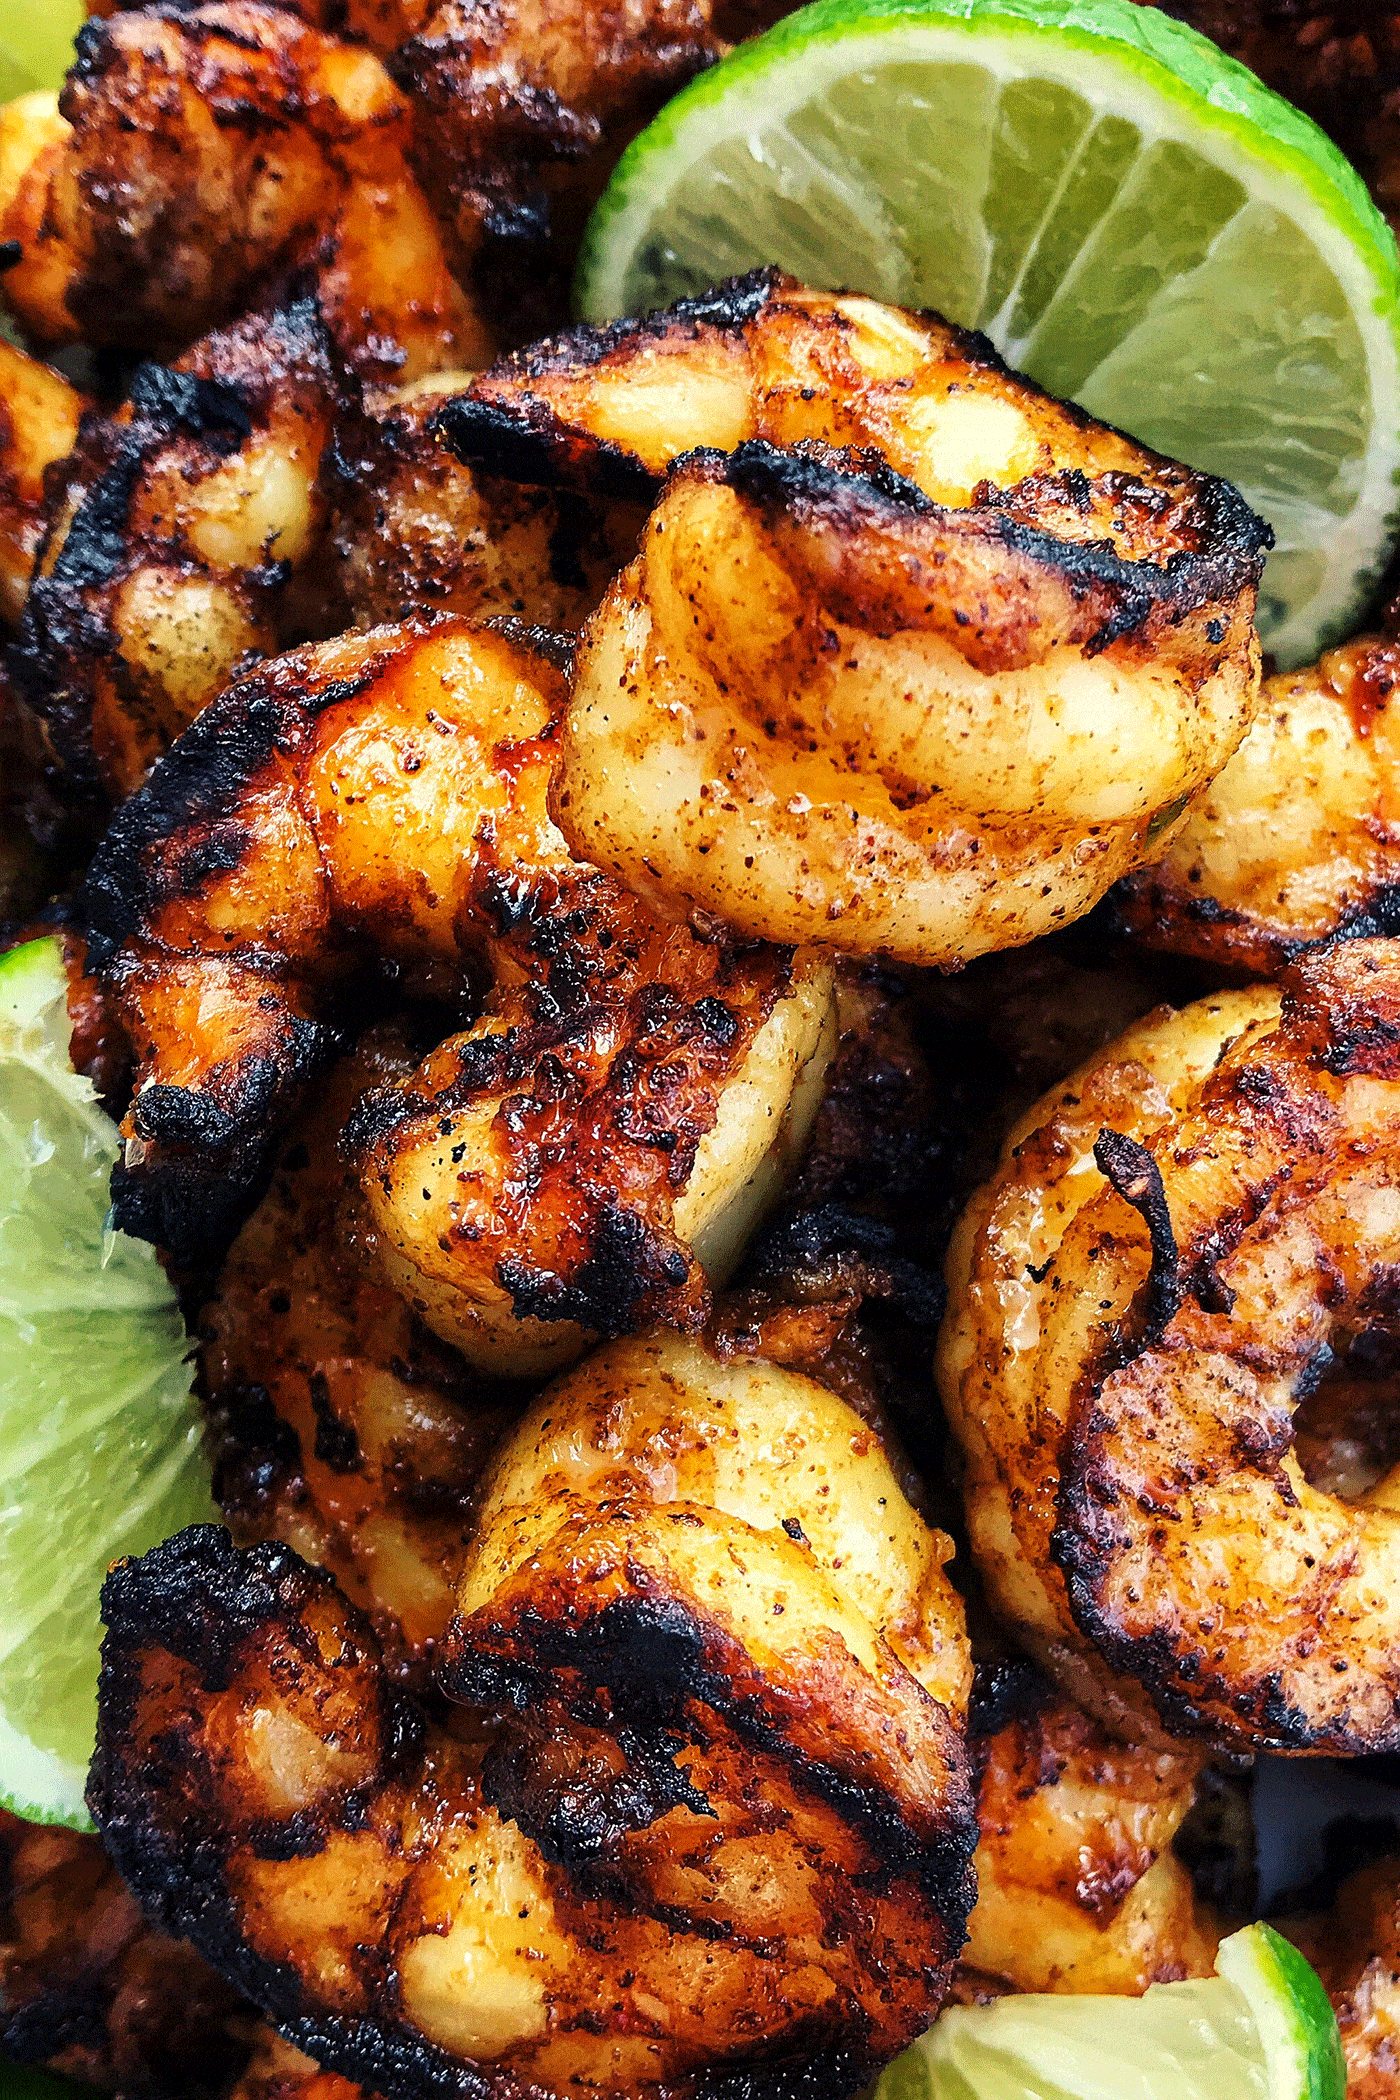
{"x":934,"y":710}
{"x":203,"y":157}
{"x":1078,"y":1888}
{"x":613,"y":1123}
{"x":39,"y":416}
{"x":704,"y":1833}
{"x":1177,"y":1246}
{"x":1298,"y":840}
{"x":819,"y":704}
{"x":178,"y":532}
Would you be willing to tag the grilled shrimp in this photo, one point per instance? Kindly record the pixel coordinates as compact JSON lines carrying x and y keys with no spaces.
{"x":179,"y":531}
{"x":608,"y":411}
{"x":724,"y":1818}
{"x":572,"y":1162}
{"x":1177,"y":1246}
{"x":39,"y":414}
{"x":1355,"y":1948}
{"x":341,"y":1425}
{"x":1078,"y":1888}
{"x":524,"y":108}
{"x":382,"y":24}
{"x":1298,"y":840}
{"x":781,"y":709}
{"x":417,"y":531}
{"x":88,"y":1988}
{"x":203,"y":158}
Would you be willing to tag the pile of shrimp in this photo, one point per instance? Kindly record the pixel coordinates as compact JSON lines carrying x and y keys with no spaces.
{"x":769,"y":1066}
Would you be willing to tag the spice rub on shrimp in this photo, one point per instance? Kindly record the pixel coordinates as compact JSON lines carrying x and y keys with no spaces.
{"x":1178,"y":1246}
{"x":340,"y":1423}
{"x":179,"y":533}
{"x":571,"y":1162}
{"x":39,"y":415}
{"x":206,"y":156}
{"x":822,"y":705}
{"x":781,"y":712}
{"x":705,"y":1833}
{"x":1078,"y":1888}
{"x":610,"y":410}
{"x":1298,"y":840}
{"x":416,"y":531}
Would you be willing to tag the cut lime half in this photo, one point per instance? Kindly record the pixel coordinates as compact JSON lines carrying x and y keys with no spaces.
{"x":1131,"y":216}
{"x":1261,"y":2028}
{"x":99,"y":1439}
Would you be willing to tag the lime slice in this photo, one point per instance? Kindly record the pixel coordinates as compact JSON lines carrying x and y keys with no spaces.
{"x":36,"y":43}
{"x":99,"y":1438}
{"x":1260,"y":2029}
{"x":1131,"y":217}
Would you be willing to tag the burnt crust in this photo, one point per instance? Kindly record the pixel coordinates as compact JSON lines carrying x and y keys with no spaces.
{"x":413,"y":529}
{"x":1220,"y":551}
{"x":1186,"y":922}
{"x":198,"y":784}
{"x":202,"y":1601}
{"x":208,"y":1607}
{"x":615,"y":1041}
{"x":648,"y":1661}
{"x":188,"y":420}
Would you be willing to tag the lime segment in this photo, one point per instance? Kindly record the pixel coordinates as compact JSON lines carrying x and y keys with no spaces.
{"x":99,"y":1439}
{"x":1131,"y":217}
{"x":36,"y":43}
{"x":1260,"y":2029}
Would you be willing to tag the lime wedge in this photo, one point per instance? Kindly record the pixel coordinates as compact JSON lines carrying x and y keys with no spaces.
{"x":36,"y":43}
{"x":1260,"y":2029}
{"x":99,"y":1438}
{"x":1131,"y":216}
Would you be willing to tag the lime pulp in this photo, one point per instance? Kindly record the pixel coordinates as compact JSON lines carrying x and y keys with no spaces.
{"x":100,"y":1450}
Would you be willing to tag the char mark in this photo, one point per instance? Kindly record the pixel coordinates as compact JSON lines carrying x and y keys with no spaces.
{"x":646,"y":1661}
{"x":530,"y":445}
{"x":628,"y":1261}
{"x":1133,"y":1174}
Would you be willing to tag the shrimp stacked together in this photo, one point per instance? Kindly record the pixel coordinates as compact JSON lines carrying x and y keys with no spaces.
{"x":511,"y":805}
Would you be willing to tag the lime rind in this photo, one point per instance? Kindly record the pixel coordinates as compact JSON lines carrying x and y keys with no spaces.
{"x":1261,"y":2028}
{"x":101,"y":1452}
{"x":1321,"y":456}
{"x":1292,"y":2013}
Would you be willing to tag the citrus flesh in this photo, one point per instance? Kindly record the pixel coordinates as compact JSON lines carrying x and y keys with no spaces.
{"x":100,"y":1450}
{"x":36,"y":43}
{"x":1261,"y":2028}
